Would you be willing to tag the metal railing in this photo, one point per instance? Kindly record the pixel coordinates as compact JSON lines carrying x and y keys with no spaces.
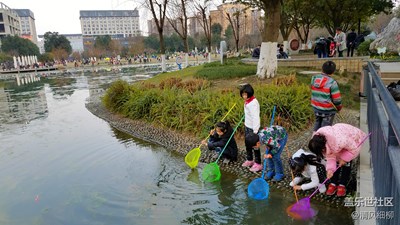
{"x":384,"y":122}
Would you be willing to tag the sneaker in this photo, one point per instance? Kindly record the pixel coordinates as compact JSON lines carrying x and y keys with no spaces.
{"x":278,"y":177}
{"x":322,"y":189}
{"x":226,"y":161}
{"x":248,"y":163}
{"x":331,"y":189}
{"x":270,"y":174}
{"x":341,"y":191}
{"x":256,"y":167}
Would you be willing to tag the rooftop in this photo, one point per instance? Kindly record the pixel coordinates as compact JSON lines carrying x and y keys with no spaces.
{"x":109,"y":13}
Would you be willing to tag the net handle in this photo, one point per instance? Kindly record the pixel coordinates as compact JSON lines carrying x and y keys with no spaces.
{"x":291,"y":172}
{"x":220,"y":154}
{"x":362,"y":142}
{"x":266,"y":152}
{"x":221,"y":120}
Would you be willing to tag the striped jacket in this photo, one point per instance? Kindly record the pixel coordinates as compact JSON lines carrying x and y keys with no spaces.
{"x":325,"y":94}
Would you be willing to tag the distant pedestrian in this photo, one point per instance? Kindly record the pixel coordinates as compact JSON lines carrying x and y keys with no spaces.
{"x":340,"y":39}
{"x":321,"y":47}
{"x":256,"y":52}
{"x":350,"y":42}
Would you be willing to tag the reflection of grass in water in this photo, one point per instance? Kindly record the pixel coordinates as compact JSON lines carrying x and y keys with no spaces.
{"x":97,"y":200}
{"x":76,"y":197}
{"x":9,"y":184}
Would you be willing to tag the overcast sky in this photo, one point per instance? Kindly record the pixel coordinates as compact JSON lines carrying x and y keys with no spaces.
{"x":62,"y":16}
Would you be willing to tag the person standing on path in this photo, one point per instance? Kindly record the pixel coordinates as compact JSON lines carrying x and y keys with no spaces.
{"x":350,"y":42}
{"x":340,"y":39}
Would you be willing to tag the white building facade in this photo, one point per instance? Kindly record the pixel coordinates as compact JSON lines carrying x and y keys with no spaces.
{"x":27,"y":24}
{"x":9,"y":21}
{"x":116,"y":23}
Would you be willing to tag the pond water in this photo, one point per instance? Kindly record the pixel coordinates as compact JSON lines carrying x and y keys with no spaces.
{"x":60,"y":164}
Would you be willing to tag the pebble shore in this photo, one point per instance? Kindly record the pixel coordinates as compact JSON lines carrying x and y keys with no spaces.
{"x":180,"y":143}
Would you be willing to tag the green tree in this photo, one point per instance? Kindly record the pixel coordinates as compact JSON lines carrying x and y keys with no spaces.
{"x":103,"y":41}
{"x":14,"y":45}
{"x":216,"y":29}
{"x":152,"y":42}
{"x":52,"y":41}
{"x":303,"y":20}
{"x":347,"y":13}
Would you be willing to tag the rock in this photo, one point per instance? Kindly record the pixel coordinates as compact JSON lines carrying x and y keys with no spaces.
{"x":389,"y":38}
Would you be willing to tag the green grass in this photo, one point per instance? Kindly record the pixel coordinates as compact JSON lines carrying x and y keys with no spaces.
{"x":232,"y":68}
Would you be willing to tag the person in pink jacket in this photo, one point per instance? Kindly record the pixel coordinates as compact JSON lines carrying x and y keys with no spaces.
{"x":338,"y":144}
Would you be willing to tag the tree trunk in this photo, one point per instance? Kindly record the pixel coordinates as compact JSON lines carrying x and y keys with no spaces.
{"x":162,"y":51}
{"x":163,"y":64}
{"x":268,"y":62}
{"x":186,"y":59}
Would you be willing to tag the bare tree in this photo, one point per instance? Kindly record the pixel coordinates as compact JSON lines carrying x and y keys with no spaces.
{"x":177,"y":17}
{"x":235,"y":16}
{"x":204,"y":19}
{"x":158,"y":9}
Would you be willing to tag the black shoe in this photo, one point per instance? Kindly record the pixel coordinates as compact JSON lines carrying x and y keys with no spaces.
{"x":361,"y":95}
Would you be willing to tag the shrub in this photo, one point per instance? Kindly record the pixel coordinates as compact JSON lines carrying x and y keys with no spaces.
{"x":199,"y":110}
{"x":363,"y":48}
{"x":116,"y":95}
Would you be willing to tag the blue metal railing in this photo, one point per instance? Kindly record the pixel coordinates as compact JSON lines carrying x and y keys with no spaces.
{"x":384,"y":122}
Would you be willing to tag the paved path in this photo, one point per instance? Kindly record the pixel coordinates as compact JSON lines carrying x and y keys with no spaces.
{"x":389,"y":66}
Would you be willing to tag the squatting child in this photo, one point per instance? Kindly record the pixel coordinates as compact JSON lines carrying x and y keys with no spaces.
{"x":219,"y":138}
{"x":305,"y":164}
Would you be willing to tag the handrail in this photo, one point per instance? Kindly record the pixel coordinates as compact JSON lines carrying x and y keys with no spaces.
{"x":392,"y":110}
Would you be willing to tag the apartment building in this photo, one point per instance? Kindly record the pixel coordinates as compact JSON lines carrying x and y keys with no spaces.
{"x":27,"y":24}
{"x":168,"y":28}
{"x":116,"y":23}
{"x":9,"y":21}
{"x":249,"y":19}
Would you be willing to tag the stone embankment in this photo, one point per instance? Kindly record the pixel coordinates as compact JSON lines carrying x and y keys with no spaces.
{"x":181,"y":143}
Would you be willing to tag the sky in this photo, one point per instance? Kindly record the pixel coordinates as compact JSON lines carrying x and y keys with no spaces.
{"x":62,"y":16}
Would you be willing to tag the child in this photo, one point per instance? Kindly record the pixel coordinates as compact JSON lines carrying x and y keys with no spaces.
{"x":218,"y":139}
{"x":325,"y":96}
{"x":275,"y":138}
{"x":305,"y":164}
{"x":337,"y":143}
{"x":252,"y":124}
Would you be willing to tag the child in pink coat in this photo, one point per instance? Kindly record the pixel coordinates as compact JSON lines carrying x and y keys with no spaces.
{"x":337,"y":144}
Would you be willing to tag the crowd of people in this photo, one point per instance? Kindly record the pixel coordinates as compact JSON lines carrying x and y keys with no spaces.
{"x":331,"y":148}
{"x":335,"y":46}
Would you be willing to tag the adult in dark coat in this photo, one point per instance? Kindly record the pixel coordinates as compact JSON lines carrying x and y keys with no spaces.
{"x":256,"y":52}
{"x":350,"y":42}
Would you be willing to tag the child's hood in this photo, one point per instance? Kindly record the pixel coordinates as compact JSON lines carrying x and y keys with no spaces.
{"x":320,"y":81}
{"x":301,"y":151}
